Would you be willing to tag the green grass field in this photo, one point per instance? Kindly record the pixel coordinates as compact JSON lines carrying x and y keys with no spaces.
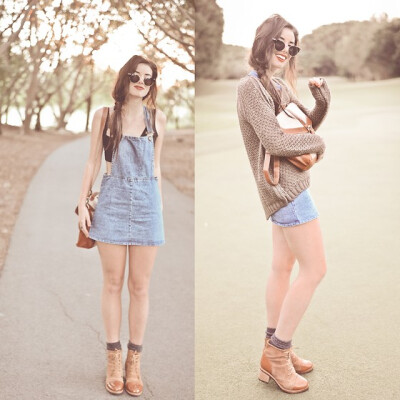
{"x":350,"y":328}
{"x":216,"y":100}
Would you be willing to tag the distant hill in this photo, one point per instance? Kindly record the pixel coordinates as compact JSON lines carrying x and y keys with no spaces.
{"x":359,"y":50}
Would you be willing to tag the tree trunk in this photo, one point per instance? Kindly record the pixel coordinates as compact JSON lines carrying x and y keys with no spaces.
{"x":89,"y":99}
{"x":38,"y":125}
{"x":31,"y":91}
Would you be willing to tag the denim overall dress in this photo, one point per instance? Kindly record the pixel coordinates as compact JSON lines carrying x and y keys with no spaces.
{"x":128,"y":211}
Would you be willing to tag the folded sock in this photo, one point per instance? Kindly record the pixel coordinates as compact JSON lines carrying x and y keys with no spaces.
{"x":135,"y":347}
{"x":269,"y":332}
{"x":114,"y":346}
{"x":280,"y":344}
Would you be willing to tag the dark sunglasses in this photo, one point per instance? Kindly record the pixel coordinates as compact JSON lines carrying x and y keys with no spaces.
{"x":135,"y":78}
{"x":280,"y":45}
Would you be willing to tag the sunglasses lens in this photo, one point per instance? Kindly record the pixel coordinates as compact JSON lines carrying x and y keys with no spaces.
{"x":279,"y":45}
{"x":148,"y":81}
{"x":134,"y":78}
{"x":293,"y":50}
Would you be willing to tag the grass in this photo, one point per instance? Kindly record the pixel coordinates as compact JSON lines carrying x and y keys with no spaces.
{"x":356,"y":193}
{"x":216,"y":100}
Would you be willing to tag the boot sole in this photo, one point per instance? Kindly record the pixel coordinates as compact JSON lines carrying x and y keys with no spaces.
{"x":305,"y":372}
{"x":265,"y":376}
{"x":134,"y":394}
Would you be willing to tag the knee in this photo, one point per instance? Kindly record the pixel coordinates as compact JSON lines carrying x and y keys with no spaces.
{"x":282,"y":266}
{"x":138,"y":290}
{"x":113,"y":285}
{"x":319,"y":273}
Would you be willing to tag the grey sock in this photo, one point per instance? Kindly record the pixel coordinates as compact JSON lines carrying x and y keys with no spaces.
{"x":135,"y":347}
{"x":269,"y":332}
{"x":114,"y":346}
{"x":280,"y":344}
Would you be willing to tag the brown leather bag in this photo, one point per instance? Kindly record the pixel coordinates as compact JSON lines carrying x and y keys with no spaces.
{"x":91,"y":202}
{"x":291,"y":120}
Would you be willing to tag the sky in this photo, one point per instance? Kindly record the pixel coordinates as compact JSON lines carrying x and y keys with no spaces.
{"x":123,"y":43}
{"x":242,"y":21}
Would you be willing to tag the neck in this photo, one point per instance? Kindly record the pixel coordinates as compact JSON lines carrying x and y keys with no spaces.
{"x":133,"y":105}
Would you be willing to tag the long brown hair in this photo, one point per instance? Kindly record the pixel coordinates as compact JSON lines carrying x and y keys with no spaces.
{"x":262,"y":50}
{"x":120,"y":93}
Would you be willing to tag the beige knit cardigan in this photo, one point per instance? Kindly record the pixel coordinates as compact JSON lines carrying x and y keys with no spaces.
{"x":261,"y":133}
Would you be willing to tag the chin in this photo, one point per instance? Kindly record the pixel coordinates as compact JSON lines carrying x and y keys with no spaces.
{"x":137,"y":94}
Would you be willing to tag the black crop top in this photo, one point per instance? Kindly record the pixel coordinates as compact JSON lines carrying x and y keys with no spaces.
{"x":106,"y":139}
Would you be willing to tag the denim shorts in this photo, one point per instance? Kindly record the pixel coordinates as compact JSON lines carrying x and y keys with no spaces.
{"x":299,"y":211}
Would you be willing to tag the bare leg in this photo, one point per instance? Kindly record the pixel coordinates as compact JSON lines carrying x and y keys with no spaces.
{"x":279,"y":276}
{"x":305,"y":242}
{"x":141,"y":261}
{"x":113,"y":259}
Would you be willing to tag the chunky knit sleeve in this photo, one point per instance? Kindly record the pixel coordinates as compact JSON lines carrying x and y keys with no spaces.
{"x":322,"y":98}
{"x":256,"y":108}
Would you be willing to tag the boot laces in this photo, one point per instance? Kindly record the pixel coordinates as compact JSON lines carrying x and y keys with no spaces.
{"x":290,"y":365}
{"x":134,"y":362}
{"x":115,"y":363}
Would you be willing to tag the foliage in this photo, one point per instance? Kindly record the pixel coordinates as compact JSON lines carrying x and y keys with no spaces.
{"x":358,"y":50}
{"x":178,"y":104}
{"x":209,"y":28}
{"x":231,"y":63}
{"x":384,"y":56}
{"x":167,"y":25}
{"x":47,"y":46}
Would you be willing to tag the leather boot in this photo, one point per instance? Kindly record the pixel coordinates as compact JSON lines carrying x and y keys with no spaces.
{"x":300,"y":365}
{"x":114,"y":379}
{"x":277,"y":364}
{"x":133,"y":384}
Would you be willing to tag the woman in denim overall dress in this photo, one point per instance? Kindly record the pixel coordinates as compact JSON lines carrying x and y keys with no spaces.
{"x":128,"y":216}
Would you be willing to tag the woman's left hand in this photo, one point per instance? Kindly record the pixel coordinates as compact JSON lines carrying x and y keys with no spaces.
{"x":320,"y":90}
{"x":316,"y":82}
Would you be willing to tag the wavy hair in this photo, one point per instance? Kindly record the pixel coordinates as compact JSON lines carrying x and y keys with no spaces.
{"x":120,"y":94}
{"x":262,"y":51}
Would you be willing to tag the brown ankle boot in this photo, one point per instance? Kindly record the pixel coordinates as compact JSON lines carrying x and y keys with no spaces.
{"x":301,"y":366}
{"x":276,"y":364}
{"x":114,"y":379}
{"x":133,"y":384}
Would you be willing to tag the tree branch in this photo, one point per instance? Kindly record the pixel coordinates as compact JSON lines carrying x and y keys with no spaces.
{"x":174,"y":60}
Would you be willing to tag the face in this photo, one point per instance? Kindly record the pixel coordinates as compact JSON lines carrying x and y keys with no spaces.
{"x":281,"y":58}
{"x":139,"y":89}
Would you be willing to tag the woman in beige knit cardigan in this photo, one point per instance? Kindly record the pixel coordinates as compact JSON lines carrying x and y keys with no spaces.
{"x":296,"y":233}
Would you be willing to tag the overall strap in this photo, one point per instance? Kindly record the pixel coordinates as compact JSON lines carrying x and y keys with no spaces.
{"x":104,"y":116}
{"x":147,"y":120}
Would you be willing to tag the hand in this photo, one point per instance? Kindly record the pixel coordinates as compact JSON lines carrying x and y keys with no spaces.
{"x":84,"y":220}
{"x":320,"y":91}
{"x":318,"y":82}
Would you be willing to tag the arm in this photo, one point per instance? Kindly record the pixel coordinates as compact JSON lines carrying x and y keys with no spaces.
{"x":257,"y":107}
{"x":320,"y":91}
{"x":161,"y":123}
{"x":91,"y":170}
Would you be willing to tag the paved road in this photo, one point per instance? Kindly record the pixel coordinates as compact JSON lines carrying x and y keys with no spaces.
{"x":52,"y":342}
{"x":351,"y":329}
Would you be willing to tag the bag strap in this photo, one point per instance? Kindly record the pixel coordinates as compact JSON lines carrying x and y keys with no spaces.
{"x":275,"y":179}
{"x":147,"y":120}
{"x":104,"y":116}
{"x":292,"y":114}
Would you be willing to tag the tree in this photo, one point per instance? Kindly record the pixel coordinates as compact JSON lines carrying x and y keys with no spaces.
{"x":54,"y":35}
{"x":167,"y":28}
{"x":209,"y":29}
{"x":384,"y":55}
